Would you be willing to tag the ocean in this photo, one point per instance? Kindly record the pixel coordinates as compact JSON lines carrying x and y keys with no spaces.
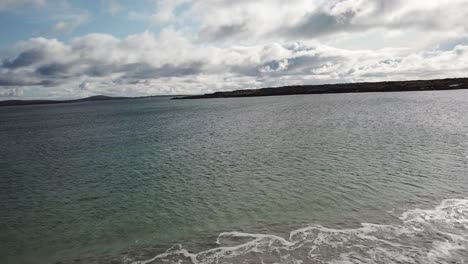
{"x":339,"y":178}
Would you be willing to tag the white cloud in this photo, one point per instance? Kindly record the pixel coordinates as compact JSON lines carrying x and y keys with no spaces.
{"x":328,"y":20}
{"x":169,"y":63}
{"x":69,"y":24}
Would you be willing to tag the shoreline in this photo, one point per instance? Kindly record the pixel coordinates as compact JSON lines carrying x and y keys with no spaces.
{"x":87,"y":99}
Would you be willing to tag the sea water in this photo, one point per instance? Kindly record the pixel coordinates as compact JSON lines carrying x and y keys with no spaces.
{"x":343,"y":178}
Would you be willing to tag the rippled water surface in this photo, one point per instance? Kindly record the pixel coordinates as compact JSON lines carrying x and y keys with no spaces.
{"x":344,"y":178}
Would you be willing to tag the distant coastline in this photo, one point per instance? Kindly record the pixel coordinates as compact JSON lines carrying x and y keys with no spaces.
{"x":365,"y":87}
{"x":87,"y":99}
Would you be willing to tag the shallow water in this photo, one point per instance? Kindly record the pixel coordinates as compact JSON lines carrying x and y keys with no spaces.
{"x":424,"y":236}
{"x":124,"y":181}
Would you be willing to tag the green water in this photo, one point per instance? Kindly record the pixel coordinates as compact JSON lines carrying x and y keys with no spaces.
{"x":90,"y":182}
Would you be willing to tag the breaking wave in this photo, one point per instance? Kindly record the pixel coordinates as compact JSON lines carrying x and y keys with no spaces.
{"x":439,"y":235}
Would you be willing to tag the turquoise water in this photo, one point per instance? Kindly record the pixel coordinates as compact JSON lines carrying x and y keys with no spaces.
{"x":273,"y":178}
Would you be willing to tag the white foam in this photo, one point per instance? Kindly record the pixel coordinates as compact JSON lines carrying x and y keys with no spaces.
{"x":439,"y":235}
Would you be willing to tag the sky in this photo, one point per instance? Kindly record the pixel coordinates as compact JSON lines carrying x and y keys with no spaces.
{"x":59,"y":49}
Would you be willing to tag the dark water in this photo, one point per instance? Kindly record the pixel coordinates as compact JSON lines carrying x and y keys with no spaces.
{"x":275,"y":180}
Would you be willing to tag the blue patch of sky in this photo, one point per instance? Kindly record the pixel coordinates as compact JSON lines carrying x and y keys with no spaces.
{"x":11,"y":29}
{"x":22,"y":24}
{"x":118,"y":24}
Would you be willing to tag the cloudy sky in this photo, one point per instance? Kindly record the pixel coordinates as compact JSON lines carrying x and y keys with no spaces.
{"x":71,"y":49}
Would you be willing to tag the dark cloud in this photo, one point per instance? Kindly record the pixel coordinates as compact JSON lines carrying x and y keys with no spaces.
{"x":101,"y":70}
{"x":224,"y":31}
{"x":390,"y":61}
{"x":307,"y":63}
{"x":169,"y":70}
{"x":321,"y":23}
{"x":53,"y":69}
{"x":146,"y":71}
{"x":25,"y":58}
{"x":17,"y":81}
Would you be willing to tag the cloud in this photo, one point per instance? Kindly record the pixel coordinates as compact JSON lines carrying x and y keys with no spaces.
{"x":165,"y":10}
{"x":164,"y":13}
{"x":136,"y":57}
{"x":69,"y":24}
{"x":169,"y":63}
{"x":11,"y":92}
{"x":252,"y":21}
{"x":24,"y":59}
{"x":210,"y":45}
{"x":112,"y":7}
{"x":11,"y":4}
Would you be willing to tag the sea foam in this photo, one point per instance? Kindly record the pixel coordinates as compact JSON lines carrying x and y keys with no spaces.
{"x":439,"y":235}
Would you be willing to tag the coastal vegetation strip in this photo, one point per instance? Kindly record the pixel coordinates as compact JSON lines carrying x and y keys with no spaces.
{"x":365,"y":87}
{"x":394,"y":86}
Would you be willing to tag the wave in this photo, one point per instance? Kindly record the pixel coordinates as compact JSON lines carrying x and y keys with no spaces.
{"x":439,"y":235}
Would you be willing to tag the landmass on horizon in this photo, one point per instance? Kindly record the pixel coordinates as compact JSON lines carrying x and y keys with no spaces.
{"x":87,"y":99}
{"x":364,"y":87}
